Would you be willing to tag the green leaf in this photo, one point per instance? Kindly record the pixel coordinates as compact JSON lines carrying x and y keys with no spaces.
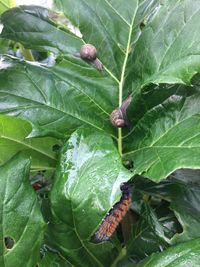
{"x":100,"y":92}
{"x":53,"y":260}
{"x":5,"y":4}
{"x":87,"y":184}
{"x":156,"y":205}
{"x":56,"y":100}
{"x":33,"y":23}
{"x":111,"y":26}
{"x":13,"y":133}
{"x":188,"y":176}
{"x":155,"y":223}
{"x":22,"y":225}
{"x":4,"y":45}
{"x":184,"y":201}
{"x":166,"y":137}
{"x":186,"y":254}
{"x":168,"y":49}
{"x":137,"y":47}
{"x":140,"y":43}
{"x":148,"y":234}
{"x":165,"y":51}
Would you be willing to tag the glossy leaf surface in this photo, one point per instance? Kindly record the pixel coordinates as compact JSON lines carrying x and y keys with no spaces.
{"x":168,"y":48}
{"x":73,"y":93}
{"x":85,"y":189}
{"x":96,"y":91}
{"x":166,"y":137}
{"x":181,"y":255}
{"x":164,"y":51}
{"x":54,"y":99}
{"x":22,"y":225}
{"x":32,"y":20}
{"x":148,"y":48}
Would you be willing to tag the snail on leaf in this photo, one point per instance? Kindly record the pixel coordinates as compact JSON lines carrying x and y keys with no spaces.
{"x":118,"y":117}
{"x":88,"y":52}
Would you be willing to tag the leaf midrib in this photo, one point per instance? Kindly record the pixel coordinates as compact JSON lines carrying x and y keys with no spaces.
{"x":165,"y":133}
{"x":4,"y":4}
{"x":79,"y":89}
{"x":107,"y":33}
{"x":26,"y":145}
{"x":108,"y":3}
{"x":121,"y":83}
{"x":52,"y":107}
{"x":81,"y":241}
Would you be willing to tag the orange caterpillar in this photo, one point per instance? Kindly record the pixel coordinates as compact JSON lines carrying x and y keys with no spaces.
{"x":116,"y":214}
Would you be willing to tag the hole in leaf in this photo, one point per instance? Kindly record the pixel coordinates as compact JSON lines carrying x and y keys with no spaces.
{"x":142,"y":25}
{"x":9,"y":242}
{"x":56,"y":147}
{"x":128,"y":164}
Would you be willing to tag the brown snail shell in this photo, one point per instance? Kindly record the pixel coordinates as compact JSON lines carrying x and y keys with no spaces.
{"x":116,"y":118}
{"x":88,"y":52}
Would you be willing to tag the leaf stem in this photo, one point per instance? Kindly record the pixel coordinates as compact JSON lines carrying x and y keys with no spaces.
{"x":5,"y":5}
{"x":26,"y":53}
{"x":120,"y":256}
{"x":119,"y":141}
{"x":121,"y":84}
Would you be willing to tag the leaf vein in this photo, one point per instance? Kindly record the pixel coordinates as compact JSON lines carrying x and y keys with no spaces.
{"x":178,"y":34}
{"x":108,"y":3}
